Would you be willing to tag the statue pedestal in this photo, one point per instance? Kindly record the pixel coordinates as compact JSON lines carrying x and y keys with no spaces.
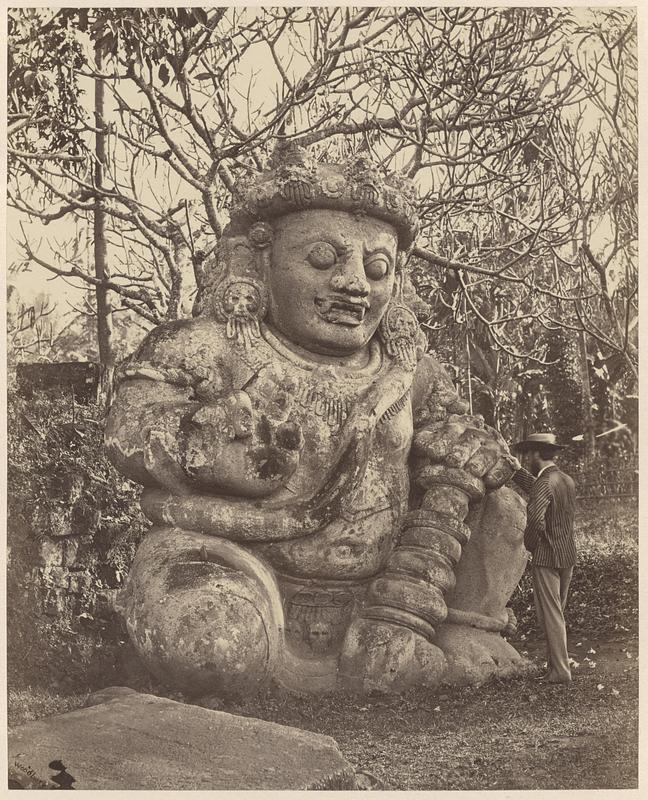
{"x":138,"y":741}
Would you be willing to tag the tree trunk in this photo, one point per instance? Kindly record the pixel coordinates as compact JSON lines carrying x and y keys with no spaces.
{"x":588,"y":422}
{"x":104,"y":310}
{"x":469,"y":375}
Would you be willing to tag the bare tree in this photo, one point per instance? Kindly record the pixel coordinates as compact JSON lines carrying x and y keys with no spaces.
{"x":30,"y":327}
{"x":483,"y":107}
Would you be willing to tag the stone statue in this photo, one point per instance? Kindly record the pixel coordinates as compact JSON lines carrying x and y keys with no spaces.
{"x":312,"y":476}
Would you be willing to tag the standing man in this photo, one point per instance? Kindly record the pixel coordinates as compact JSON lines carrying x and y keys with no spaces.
{"x":549,"y":536}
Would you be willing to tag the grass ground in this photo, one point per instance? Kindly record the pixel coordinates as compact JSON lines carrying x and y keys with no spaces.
{"x":518,"y":734}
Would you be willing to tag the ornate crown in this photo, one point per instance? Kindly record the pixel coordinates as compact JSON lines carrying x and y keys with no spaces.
{"x":297,"y":182}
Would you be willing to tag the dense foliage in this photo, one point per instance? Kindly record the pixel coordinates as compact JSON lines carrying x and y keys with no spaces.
{"x":73,"y":525}
{"x":604,"y":593}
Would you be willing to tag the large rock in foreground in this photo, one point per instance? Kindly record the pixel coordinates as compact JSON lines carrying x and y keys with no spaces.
{"x":138,"y":741}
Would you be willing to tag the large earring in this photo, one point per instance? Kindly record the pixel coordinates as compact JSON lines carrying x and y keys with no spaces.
{"x":399,"y":329}
{"x":240,"y":298}
{"x":241,"y":303}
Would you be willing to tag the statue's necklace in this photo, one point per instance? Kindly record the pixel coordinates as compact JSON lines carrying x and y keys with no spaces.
{"x":325,"y":390}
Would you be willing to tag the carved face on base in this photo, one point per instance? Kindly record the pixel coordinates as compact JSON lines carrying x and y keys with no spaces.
{"x":331,"y":279}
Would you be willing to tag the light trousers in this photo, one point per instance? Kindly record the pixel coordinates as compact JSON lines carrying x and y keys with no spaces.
{"x":550,"y":590}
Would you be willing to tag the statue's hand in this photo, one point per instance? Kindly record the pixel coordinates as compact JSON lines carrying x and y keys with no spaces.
{"x":225,"y":420}
{"x":231,"y":447}
{"x":464,"y":441}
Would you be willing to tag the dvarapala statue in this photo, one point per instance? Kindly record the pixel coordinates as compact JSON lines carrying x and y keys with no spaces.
{"x":312,"y":476}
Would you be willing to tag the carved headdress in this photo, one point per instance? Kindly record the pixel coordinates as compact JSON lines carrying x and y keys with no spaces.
{"x":296,"y":181}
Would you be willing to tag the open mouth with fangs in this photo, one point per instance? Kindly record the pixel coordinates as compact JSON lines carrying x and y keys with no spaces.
{"x":339,"y":310}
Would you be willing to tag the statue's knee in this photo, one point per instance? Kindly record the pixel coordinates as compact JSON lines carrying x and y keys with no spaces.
{"x":198,"y":620}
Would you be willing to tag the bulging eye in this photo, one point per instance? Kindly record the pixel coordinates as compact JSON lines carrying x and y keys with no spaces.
{"x":376,"y":267}
{"x":322,"y":255}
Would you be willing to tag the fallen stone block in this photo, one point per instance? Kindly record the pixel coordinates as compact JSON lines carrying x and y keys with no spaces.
{"x":128,"y":740}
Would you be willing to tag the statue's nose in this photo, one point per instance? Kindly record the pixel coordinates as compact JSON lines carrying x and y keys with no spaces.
{"x":350,"y":277}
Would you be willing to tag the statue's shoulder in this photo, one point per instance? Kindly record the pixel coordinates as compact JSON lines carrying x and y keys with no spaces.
{"x":185,"y":353}
{"x":182,"y":340}
{"x":433,"y":393}
{"x":180,"y":351}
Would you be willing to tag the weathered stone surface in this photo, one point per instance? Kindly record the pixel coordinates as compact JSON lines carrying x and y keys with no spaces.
{"x":108,"y":694}
{"x":380,"y":656}
{"x":139,"y":741}
{"x":276,"y":435}
{"x":209,"y":625}
{"x":490,"y":568}
{"x":493,"y":560}
{"x":474,"y":655}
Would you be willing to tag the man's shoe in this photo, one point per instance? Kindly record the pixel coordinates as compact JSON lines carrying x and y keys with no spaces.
{"x":551,"y":677}
{"x":558,"y":679}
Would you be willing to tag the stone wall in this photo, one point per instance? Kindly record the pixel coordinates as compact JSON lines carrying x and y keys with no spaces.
{"x":77,"y":379}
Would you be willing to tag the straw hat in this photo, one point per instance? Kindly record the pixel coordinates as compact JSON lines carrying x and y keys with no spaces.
{"x":541,"y":441}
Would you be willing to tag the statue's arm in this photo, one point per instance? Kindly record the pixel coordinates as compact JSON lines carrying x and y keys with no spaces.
{"x":434,"y":396}
{"x":445,"y":433}
{"x":176,"y":424}
{"x":143,"y":432}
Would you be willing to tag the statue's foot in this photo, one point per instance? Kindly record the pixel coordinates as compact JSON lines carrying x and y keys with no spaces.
{"x":474,"y":655}
{"x":385,"y":657}
{"x":204,"y":614}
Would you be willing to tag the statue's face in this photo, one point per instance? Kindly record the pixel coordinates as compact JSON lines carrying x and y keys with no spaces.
{"x":331,"y":278}
{"x":241,"y":299}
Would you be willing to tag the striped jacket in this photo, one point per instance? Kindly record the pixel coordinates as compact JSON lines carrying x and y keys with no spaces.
{"x":549,"y":533}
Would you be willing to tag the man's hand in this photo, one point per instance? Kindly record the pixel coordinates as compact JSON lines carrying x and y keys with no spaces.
{"x":513,"y":462}
{"x":465,"y":442}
